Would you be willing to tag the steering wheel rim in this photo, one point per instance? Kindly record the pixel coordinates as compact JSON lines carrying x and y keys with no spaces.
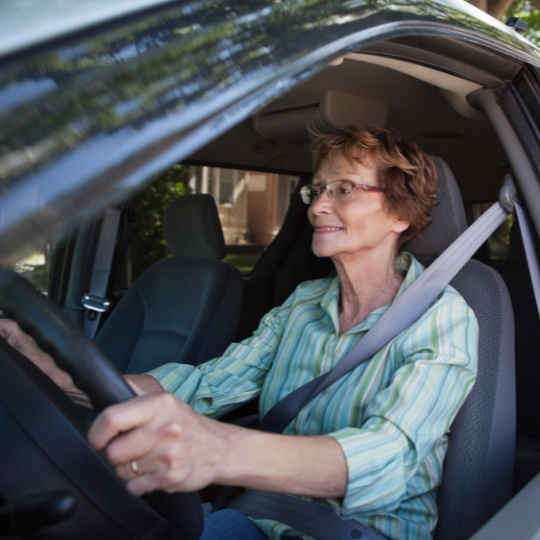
{"x":93,"y":373}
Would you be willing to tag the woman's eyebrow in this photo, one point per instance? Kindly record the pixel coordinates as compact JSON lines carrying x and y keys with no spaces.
{"x":339,"y":174}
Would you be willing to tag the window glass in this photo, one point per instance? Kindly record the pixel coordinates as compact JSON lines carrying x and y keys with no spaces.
{"x":497,"y":247}
{"x":37,"y":266}
{"x":251,"y":206}
{"x":148,"y":245}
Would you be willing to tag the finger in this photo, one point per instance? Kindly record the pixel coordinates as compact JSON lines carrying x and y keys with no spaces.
{"x":11,"y":332}
{"x":140,"y":442}
{"x":129,"y":415}
{"x":137,"y":389}
{"x":126,"y":471}
{"x":6,"y":327}
{"x":168,"y":459}
{"x":158,"y":475}
{"x":143,"y":484}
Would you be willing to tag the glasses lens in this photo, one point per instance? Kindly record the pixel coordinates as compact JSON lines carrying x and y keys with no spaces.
{"x":340,"y":190}
{"x":308,"y":194}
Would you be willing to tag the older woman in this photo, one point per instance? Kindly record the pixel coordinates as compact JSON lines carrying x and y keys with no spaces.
{"x":371,"y":446}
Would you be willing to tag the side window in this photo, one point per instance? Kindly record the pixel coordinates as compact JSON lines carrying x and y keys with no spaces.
{"x":37,"y":266}
{"x":497,"y":247}
{"x":148,"y":244}
{"x":251,"y":205}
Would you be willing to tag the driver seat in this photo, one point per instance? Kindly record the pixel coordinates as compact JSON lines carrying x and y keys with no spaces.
{"x":477,"y":473}
{"x":185,"y":308}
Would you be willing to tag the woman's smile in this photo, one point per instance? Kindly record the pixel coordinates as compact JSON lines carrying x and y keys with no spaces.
{"x":325,"y":229}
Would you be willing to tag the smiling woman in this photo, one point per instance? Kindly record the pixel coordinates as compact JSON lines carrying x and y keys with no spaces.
{"x":372,"y":445}
{"x":379,"y":193}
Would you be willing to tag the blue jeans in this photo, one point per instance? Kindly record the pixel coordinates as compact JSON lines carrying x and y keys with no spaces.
{"x":232,"y":525}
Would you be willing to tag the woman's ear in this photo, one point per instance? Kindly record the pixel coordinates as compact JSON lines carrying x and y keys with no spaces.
{"x":400,"y":226}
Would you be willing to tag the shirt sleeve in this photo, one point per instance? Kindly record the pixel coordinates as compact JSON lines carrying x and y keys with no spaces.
{"x":222,"y":384}
{"x":410,"y":418}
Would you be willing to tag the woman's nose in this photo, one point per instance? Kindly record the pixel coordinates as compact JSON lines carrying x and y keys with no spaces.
{"x":322,"y":203}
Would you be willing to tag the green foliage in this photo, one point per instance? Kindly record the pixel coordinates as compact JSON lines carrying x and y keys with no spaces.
{"x":527,"y":13}
{"x":148,"y":244}
{"x":245,"y":262}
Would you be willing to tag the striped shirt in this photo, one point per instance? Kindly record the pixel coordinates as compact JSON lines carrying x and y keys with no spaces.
{"x":390,"y":415}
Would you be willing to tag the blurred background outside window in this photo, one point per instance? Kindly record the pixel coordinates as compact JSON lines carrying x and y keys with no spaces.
{"x":251,"y":207}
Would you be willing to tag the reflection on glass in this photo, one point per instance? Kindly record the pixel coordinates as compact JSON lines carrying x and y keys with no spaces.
{"x":36,"y":267}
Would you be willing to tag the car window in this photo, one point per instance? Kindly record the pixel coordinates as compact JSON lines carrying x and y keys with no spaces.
{"x":251,"y":206}
{"x":36,"y":267}
{"x":497,"y":247}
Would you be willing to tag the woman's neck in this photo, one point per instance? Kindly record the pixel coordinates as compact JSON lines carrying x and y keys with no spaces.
{"x":368,"y":282}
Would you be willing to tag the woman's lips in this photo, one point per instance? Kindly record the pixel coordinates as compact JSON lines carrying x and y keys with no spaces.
{"x":327,"y":230}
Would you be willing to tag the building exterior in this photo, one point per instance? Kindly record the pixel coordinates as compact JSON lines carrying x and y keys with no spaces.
{"x":251,"y":205}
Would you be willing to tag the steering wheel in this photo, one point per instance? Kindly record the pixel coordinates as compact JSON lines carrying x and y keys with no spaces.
{"x":26,"y":395}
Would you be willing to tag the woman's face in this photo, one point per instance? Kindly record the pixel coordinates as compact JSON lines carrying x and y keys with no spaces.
{"x":347,"y":229}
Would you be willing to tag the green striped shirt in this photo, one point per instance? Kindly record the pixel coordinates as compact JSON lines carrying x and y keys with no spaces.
{"x":390,"y":415}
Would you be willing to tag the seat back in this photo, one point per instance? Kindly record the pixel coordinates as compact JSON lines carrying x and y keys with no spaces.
{"x":183,"y":309}
{"x":477,"y":474}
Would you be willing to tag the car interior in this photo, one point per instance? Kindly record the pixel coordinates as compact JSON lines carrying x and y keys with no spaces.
{"x":188,"y":307}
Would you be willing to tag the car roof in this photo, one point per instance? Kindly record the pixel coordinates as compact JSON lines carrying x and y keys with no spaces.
{"x":26,"y":23}
{"x":89,"y":116}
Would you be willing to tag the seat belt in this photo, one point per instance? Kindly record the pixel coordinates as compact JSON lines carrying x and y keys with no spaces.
{"x":530,"y":252}
{"x":94,"y":301}
{"x":311,"y":518}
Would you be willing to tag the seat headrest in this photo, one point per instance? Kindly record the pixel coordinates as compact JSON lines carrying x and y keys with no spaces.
{"x":192,"y":228}
{"x":449,"y":219}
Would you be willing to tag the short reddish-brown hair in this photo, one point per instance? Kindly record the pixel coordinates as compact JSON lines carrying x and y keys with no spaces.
{"x":407,"y":173}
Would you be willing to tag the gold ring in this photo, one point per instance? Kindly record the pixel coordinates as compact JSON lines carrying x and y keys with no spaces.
{"x":134,"y":467}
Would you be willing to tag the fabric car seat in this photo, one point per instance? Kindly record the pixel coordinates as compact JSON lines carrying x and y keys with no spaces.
{"x":184,"y":308}
{"x":477,"y":473}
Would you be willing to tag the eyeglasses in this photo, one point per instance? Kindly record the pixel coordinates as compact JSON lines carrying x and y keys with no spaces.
{"x":338,"y":190}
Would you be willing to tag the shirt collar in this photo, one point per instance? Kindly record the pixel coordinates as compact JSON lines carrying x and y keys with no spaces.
{"x":405,"y":264}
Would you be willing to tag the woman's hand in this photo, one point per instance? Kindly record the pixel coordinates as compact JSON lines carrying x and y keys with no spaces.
{"x":157,"y":442}
{"x":174,"y":448}
{"x":25,"y":344}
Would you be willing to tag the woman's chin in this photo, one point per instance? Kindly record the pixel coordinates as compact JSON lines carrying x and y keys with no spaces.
{"x":322,"y":250}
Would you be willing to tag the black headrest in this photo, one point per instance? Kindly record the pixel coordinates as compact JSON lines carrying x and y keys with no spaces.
{"x":192,"y":228}
{"x":449,"y":219}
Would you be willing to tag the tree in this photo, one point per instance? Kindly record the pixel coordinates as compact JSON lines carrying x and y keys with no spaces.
{"x":495,"y":8}
{"x":148,"y":243}
{"x":526,"y":10}
{"x":529,"y":12}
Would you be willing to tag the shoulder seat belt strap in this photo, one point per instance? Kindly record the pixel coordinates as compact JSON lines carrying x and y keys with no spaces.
{"x":94,"y":301}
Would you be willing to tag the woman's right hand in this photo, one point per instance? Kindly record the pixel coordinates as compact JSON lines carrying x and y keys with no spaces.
{"x":26,"y":345}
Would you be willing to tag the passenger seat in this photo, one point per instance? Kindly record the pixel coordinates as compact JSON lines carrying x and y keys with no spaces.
{"x":185,"y":308}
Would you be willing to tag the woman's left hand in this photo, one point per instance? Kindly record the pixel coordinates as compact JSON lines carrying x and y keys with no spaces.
{"x":157,"y":442}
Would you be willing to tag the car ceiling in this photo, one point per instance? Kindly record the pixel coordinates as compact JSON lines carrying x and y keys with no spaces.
{"x":417,"y":109}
